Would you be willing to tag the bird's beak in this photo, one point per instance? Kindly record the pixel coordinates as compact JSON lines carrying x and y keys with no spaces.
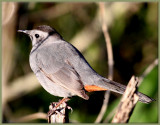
{"x":24,"y":31}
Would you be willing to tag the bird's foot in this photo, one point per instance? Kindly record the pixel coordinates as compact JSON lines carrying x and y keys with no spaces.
{"x":56,"y":106}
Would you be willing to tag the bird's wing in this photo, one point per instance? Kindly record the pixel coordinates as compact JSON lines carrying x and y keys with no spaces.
{"x":60,"y":72}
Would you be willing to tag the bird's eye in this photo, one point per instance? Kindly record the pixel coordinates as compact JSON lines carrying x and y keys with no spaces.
{"x":36,"y":35}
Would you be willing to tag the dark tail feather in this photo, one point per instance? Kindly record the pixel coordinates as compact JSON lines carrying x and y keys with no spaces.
{"x":144,"y":98}
{"x":119,"y":88}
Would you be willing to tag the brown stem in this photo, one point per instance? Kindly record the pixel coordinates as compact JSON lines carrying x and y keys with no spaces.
{"x":110,"y":60}
{"x":127,"y":103}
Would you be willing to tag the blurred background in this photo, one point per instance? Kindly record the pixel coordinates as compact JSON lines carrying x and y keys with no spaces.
{"x":133,"y":29}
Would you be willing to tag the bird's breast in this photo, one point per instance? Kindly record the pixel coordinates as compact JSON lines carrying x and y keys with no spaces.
{"x":33,"y":63}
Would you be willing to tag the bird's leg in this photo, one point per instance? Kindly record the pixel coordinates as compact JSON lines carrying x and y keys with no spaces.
{"x":60,"y":102}
{"x":55,"y":105}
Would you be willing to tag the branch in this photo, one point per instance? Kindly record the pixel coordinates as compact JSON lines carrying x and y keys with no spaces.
{"x":108,"y":41}
{"x":13,"y":92}
{"x":128,"y":102}
{"x":110,"y":60}
{"x":58,"y":112}
{"x":104,"y":107}
{"x":31,"y":117}
{"x":110,"y":115}
{"x":147,"y":71}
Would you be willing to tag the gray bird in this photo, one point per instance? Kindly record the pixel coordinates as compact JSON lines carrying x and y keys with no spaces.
{"x":62,"y":70}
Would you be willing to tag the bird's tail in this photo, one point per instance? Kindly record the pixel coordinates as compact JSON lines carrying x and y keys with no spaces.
{"x":119,"y":88}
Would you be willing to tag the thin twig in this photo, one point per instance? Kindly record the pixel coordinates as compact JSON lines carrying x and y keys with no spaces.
{"x":31,"y":117}
{"x":148,"y":70}
{"x":104,"y":107}
{"x":110,"y":115}
{"x":127,"y":103}
{"x":110,"y":60}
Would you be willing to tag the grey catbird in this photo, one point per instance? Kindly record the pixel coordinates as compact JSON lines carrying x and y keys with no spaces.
{"x":62,"y":70}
